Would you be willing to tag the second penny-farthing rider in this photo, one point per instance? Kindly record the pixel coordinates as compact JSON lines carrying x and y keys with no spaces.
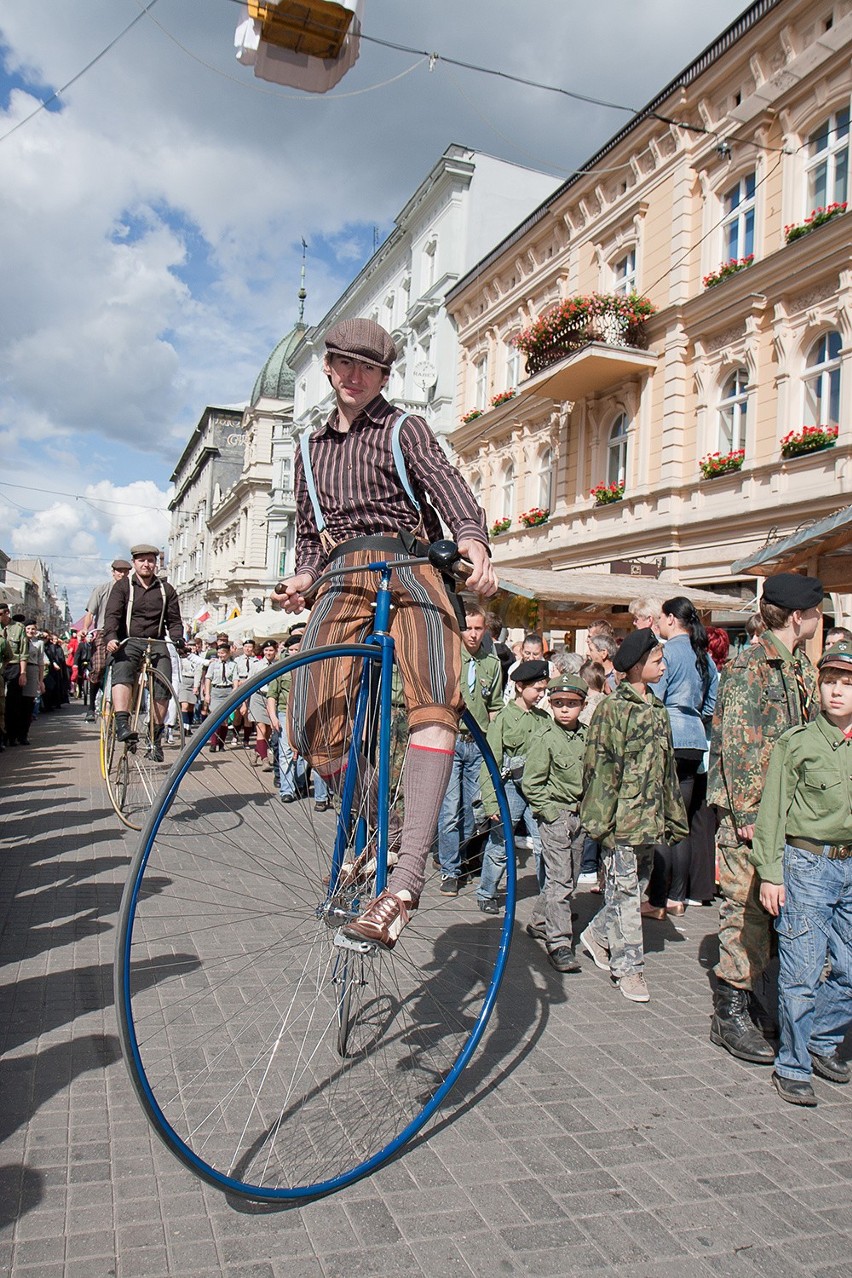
{"x":361,"y":484}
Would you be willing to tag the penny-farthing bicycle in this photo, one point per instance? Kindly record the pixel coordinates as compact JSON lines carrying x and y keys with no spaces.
{"x":273,"y":1058}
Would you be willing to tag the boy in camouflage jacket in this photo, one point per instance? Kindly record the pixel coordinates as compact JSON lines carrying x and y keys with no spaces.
{"x":632,"y":801}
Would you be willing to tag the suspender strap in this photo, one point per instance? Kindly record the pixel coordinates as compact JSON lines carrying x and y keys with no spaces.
{"x":129,"y":613}
{"x":398,"y":460}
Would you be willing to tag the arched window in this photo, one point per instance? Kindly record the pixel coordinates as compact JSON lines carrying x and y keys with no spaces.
{"x":545,"y":479}
{"x":733,"y":409}
{"x":616,"y":465}
{"x":507,"y":492}
{"x":476,"y":487}
{"x":822,"y":382}
{"x":624,"y":274}
{"x":738,"y":225}
{"x":513,"y":365}
{"x":827,"y":165}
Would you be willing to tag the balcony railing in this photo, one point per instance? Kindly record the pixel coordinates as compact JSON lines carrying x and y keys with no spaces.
{"x":608,"y":319}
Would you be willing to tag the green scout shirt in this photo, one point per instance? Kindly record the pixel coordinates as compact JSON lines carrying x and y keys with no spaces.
{"x":553,"y":772}
{"x":483,"y":689}
{"x":760,"y":697}
{"x":17,"y":643}
{"x":510,"y":735}
{"x":632,"y":793}
{"x":808,"y":792}
{"x":279,"y":690}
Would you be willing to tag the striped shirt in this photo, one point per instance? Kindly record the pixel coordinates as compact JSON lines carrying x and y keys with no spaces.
{"x":359,"y":490}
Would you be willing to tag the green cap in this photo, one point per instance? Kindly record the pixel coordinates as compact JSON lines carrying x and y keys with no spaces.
{"x":839,"y":655}
{"x":568,"y":683}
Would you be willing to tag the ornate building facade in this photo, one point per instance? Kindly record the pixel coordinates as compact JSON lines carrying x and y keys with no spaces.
{"x":723,"y":203}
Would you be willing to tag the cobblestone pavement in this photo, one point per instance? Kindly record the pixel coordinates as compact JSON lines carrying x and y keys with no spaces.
{"x":589,"y":1136}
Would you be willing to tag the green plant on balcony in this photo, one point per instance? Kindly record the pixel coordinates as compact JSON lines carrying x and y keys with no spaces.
{"x":500,"y":526}
{"x":611,"y":318}
{"x":825,"y":213}
{"x":503,"y":397}
{"x":733,"y":266}
{"x":533,"y":518}
{"x":810,"y":439}
{"x":471,"y":415}
{"x":722,"y":463}
{"x":606,"y":494}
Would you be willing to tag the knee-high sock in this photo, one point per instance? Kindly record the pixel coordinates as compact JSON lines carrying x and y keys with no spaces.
{"x":427,"y":772}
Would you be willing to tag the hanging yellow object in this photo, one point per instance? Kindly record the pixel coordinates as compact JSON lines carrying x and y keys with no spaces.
{"x":316,"y":28}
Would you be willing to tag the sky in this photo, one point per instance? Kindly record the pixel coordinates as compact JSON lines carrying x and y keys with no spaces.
{"x":152,"y":215}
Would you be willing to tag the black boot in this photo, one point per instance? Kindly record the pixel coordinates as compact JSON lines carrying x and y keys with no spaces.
{"x":123,"y":730}
{"x":733,"y":1028}
{"x":155,"y":747}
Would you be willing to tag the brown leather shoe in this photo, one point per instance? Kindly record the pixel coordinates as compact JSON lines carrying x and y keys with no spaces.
{"x":382,"y":921}
{"x":649,"y":911}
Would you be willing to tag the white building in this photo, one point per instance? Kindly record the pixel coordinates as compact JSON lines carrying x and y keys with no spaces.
{"x":466,"y":205}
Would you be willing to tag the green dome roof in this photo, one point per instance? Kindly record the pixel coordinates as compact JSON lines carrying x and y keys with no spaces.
{"x":276,"y":380}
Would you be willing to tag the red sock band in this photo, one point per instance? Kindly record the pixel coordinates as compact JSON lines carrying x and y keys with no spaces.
{"x":429,"y":749}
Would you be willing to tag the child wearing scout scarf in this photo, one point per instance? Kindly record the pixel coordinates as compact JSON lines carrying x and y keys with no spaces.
{"x":802,"y":851}
{"x":553,"y":784}
{"x":632,"y":801}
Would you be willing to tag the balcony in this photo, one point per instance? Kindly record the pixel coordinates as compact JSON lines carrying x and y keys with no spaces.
{"x":586,"y":345}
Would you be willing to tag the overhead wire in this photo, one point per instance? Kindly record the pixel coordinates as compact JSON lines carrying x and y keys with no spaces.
{"x":58,"y":92}
{"x":56,"y":492}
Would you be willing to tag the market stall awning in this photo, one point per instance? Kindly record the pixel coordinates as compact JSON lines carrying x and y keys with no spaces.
{"x":270,"y":624}
{"x":823,"y":549}
{"x":574,"y":596}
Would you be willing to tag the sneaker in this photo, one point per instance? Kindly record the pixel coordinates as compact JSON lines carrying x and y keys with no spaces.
{"x":488,"y":904}
{"x":599,"y":954}
{"x":449,"y":885}
{"x":583,"y":880}
{"x":322,"y":805}
{"x":90,"y":718}
{"x":382,"y":921}
{"x":563,"y":959}
{"x":634,"y":987}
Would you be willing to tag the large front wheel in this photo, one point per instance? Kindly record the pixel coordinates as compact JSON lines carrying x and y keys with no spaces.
{"x":271,"y":1061}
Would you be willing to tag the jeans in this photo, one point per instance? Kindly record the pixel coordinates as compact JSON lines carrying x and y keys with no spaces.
{"x":494,"y":857}
{"x":292,"y":772}
{"x":815,"y":922}
{"x":320,"y":788}
{"x":456,"y":823}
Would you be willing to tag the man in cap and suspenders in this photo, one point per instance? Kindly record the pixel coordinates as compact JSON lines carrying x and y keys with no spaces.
{"x":361,"y":484}
{"x":140,"y":607}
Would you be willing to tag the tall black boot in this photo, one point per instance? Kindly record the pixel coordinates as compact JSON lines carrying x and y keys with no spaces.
{"x":123,"y":730}
{"x":733,"y":1028}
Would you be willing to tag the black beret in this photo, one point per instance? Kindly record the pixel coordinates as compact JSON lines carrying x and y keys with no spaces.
{"x":530,"y":671}
{"x":363,"y":340}
{"x":793,"y":591}
{"x":633,"y":648}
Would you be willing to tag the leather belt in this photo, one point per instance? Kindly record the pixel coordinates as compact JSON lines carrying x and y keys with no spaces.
{"x":392,"y":545}
{"x":834,"y":851}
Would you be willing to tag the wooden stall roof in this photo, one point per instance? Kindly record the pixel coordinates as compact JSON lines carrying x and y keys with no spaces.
{"x":573,"y":596}
{"x":823,"y":549}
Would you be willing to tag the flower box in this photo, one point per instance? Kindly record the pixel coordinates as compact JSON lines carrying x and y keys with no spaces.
{"x":810,"y":439}
{"x":732,"y":267}
{"x":500,"y":526}
{"x":606,"y":494}
{"x":721,"y":463}
{"x":818,"y":217}
{"x":610,"y":318}
{"x":502,"y":397}
{"x":535,"y":517}
{"x":471,"y":416}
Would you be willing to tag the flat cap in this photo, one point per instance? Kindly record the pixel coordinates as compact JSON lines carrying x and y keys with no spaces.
{"x":361,"y":339}
{"x":838,"y":655}
{"x":792,"y":590}
{"x":530,"y":671}
{"x":568,"y":683}
{"x":143,"y":549}
{"x":123,"y":564}
{"x":633,"y":648}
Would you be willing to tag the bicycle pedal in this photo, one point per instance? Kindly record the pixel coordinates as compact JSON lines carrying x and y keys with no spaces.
{"x":358,"y":947}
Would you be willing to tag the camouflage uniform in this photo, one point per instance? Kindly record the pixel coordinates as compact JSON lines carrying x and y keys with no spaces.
{"x":632,"y":801}
{"x":14,"y":649}
{"x":553,"y":784}
{"x":764,"y":691}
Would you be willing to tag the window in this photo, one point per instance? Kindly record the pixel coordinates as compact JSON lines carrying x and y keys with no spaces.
{"x":286,"y":474}
{"x":508,"y":491}
{"x":513,"y":366}
{"x":625,"y":274}
{"x":476,"y":487}
{"x":430,"y":253}
{"x":733,"y":408}
{"x":822,"y":382}
{"x":616,"y":466}
{"x":827,"y":165}
{"x":738,"y":225}
{"x":480,"y":396}
{"x":545,"y":479}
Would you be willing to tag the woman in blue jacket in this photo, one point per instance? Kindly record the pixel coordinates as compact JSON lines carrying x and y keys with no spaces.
{"x":688,"y":691}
